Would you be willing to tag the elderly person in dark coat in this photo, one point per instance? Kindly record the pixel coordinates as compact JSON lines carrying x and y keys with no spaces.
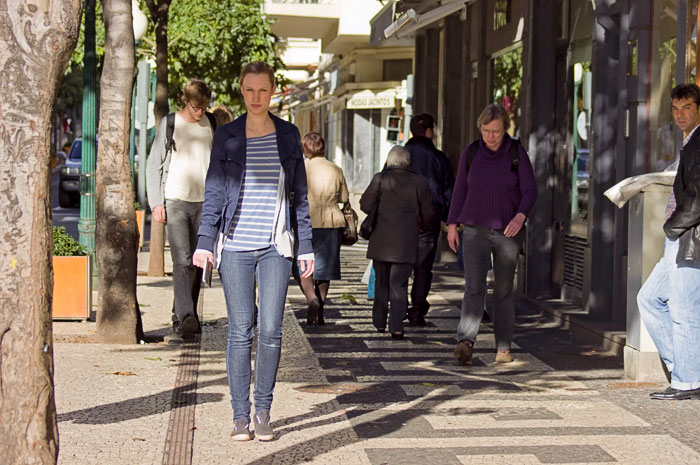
{"x":405,"y":207}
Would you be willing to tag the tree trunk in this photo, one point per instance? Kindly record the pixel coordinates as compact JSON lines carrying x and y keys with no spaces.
{"x":36,"y":42}
{"x":116,"y":232}
{"x":156,"y":250}
{"x":159,"y":16}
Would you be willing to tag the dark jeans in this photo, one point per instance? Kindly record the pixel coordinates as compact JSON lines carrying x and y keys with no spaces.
{"x":478,"y":244}
{"x":390,"y":294}
{"x":423,"y":272}
{"x":183,"y":223}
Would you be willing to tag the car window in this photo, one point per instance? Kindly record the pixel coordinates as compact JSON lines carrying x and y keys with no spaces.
{"x":76,"y":150}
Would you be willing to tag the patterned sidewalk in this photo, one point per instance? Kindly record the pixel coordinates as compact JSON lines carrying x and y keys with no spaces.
{"x":349,"y":395}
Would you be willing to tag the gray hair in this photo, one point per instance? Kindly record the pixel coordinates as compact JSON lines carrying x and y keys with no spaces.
{"x":492,"y":112}
{"x":398,"y":157}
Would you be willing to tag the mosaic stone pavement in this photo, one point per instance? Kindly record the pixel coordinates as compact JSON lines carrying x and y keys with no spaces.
{"x":409,"y":402}
{"x":348,"y":395}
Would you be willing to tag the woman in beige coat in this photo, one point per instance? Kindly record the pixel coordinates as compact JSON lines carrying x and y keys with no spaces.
{"x":326,"y":189}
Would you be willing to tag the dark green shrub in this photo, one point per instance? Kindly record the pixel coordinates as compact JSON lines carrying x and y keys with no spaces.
{"x":64,"y":245}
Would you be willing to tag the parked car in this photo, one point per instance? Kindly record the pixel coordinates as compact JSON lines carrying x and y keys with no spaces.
{"x":69,"y":176}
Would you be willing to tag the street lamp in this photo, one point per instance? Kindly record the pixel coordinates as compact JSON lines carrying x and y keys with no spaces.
{"x":88,"y":164}
{"x":140,"y":24}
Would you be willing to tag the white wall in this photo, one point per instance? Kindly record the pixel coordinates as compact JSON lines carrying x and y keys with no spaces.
{"x":355,"y":16}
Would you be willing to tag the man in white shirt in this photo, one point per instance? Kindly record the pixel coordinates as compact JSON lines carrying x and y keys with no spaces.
{"x":175,"y":173}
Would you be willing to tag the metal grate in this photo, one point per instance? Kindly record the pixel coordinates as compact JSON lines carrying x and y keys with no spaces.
{"x":574,"y":251}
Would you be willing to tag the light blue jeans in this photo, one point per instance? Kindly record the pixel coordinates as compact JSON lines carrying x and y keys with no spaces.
{"x":239,"y":272}
{"x":669,"y":303}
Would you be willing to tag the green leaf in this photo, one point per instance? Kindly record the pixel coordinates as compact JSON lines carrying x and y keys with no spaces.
{"x":348,"y":297}
{"x":64,"y":245}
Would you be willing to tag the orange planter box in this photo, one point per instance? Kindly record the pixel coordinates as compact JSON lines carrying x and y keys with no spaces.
{"x":140,"y":217}
{"x":72,"y":288}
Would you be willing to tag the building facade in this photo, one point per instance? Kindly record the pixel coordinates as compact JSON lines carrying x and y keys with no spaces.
{"x":588,"y":85}
{"x":356,"y":94}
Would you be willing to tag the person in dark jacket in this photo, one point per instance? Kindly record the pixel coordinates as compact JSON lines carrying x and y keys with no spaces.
{"x":405,"y":208}
{"x":492,"y":198}
{"x":256,"y":164}
{"x":434,"y":166}
{"x":669,"y":300}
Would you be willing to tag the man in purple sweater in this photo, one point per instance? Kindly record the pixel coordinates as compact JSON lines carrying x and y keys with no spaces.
{"x":493,"y":195}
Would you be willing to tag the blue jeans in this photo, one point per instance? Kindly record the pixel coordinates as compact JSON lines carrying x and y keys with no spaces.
{"x":669,"y":303}
{"x":239,"y":273}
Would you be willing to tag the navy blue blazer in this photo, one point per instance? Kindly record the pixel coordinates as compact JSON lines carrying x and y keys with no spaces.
{"x":225,"y":175}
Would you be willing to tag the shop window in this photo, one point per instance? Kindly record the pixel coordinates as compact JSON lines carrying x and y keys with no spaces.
{"x":581,"y":119}
{"x":663,"y":145}
{"x":507,"y":72}
{"x":691,"y":34}
{"x":501,"y":14}
{"x":396,"y":70}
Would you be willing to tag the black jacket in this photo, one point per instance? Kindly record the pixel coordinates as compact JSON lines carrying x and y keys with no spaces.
{"x":435,"y":167}
{"x":684,"y":222}
{"x":405,"y":206}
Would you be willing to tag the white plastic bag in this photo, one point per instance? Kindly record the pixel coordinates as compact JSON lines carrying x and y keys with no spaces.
{"x":365,"y":275}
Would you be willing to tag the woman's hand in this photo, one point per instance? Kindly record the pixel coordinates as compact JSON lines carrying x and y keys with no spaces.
{"x":515,"y":225}
{"x":306,"y":268}
{"x":453,"y":237}
{"x":201,"y":257}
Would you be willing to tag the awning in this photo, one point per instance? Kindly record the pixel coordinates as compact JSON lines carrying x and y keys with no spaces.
{"x":410,"y":21}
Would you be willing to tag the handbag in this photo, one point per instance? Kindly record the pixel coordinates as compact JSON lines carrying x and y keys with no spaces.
{"x":350,"y":229}
{"x":370,"y":221}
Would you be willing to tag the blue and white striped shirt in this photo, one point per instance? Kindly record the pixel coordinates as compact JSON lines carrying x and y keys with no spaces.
{"x":254,"y":219}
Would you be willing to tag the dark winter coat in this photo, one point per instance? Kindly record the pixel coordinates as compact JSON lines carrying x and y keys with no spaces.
{"x":684,"y":222}
{"x":435,"y":167}
{"x":405,"y":206}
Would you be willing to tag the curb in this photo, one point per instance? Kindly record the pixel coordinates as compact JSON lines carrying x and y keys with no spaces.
{"x":608,"y":334}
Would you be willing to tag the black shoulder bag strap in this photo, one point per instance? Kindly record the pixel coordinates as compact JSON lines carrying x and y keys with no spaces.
{"x":514,"y":155}
{"x":212,"y":122}
{"x":169,"y":130}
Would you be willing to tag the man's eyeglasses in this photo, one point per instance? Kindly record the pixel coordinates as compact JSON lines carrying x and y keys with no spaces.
{"x":196,"y":108}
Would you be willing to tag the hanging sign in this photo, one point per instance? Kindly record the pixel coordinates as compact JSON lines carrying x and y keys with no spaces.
{"x":368,"y":99}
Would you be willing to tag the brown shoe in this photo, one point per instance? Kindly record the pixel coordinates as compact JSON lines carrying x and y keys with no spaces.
{"x":504,"y":356}
{"x":463,"y":352}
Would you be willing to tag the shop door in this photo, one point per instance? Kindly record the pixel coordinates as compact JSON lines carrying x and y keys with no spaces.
{"x":579,"y":176}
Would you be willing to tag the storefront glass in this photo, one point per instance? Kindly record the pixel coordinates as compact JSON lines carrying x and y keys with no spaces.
{"x":507,"y":69}
{"x":581,"y":119}
{"x":691,"y":41}
{"x":663,"y":66}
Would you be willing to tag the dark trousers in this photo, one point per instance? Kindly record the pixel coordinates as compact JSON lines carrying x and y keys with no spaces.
{"x":183,"y":223}
{"x":423,"y":272}
{"x":390,"y":294}
{"x":478,"y":244}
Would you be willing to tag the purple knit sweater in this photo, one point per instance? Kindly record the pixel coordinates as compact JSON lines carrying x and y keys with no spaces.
{"x":490,"y":195}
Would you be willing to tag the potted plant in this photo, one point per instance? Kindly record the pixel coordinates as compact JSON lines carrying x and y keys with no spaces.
{"x":72,"y":283}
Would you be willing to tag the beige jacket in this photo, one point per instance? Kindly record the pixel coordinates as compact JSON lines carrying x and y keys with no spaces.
{"x":326,"y":189}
